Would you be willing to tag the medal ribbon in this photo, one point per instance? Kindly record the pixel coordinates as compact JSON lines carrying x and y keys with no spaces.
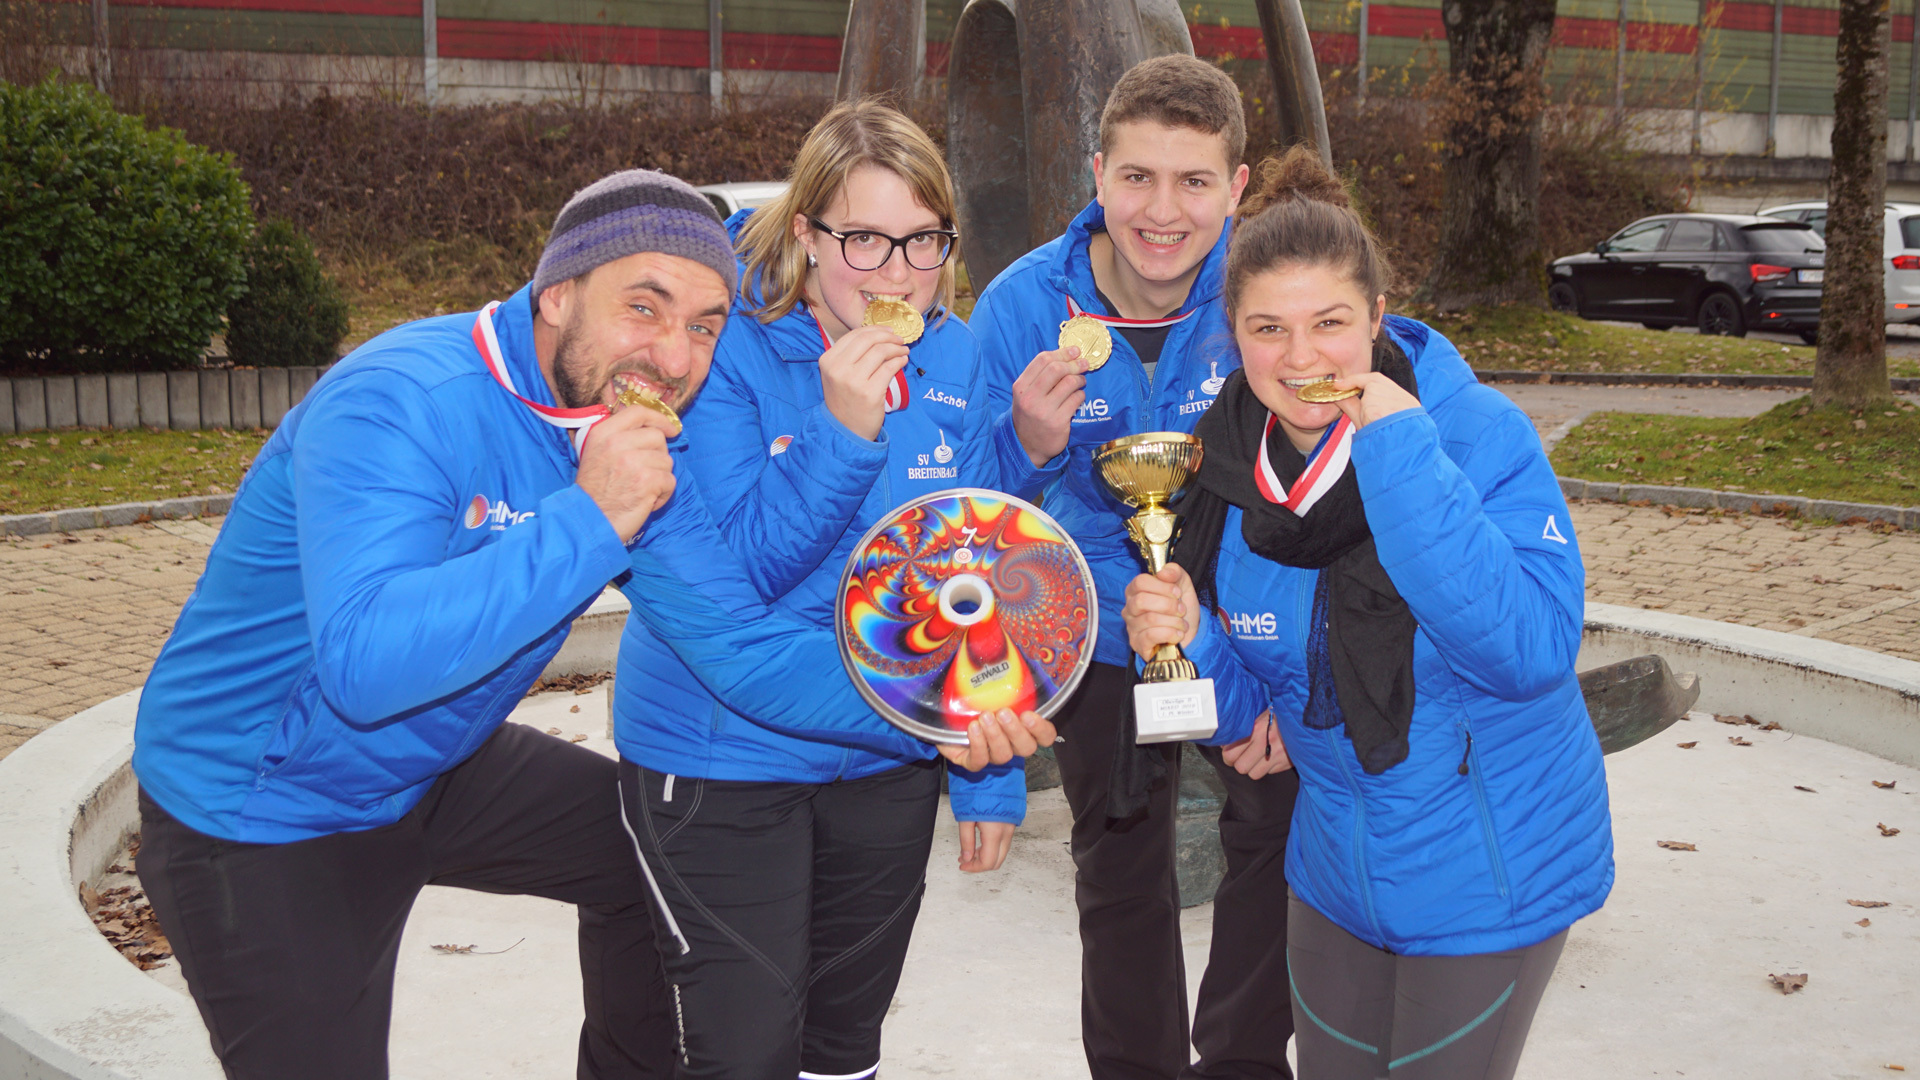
{"x":576,"y":421}
{"x":1074,"y":311}
{"x":1324,"y":467}
{"x":896,"y":398}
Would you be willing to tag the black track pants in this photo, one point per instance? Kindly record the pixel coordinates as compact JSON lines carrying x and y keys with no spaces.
{"x":784,"y":912}
{"x":289,"y":949}
{"x":1364,"y":1013}
{"x":1133,"y":997}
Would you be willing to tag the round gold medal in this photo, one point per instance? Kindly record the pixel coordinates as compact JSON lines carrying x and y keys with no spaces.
{"x":897,"y":316}
{"x":1322,"y":393}
{"x":647,"y":399}
{"x":1090,"y":336}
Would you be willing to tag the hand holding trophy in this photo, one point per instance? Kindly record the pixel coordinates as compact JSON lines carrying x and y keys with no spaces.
{"x":1171,"y":703}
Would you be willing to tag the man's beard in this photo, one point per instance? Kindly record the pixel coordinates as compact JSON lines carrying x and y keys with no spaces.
{"x":573,"y":375}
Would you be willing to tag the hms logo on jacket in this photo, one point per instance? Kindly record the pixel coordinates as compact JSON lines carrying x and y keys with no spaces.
{"x":481,"y":512}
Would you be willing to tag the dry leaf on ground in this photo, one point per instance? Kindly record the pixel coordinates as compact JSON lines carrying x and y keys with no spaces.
{"x":1789,"y":983}
{"x":1803,"y":787}
{"x":553,"y":731}
{"x":471,"y":950}
{"x":1886,"y":786}
{"x":578,"y":738}
{"x":1688,"y":745}
{"x":1884,"y":831}
{"x":573,"y":708}
{"x":1738,"y":741}
{"x":1735,"y":720}
{"x":1864,"y":922}
{"x":1677,"y":845}
{"x":1770,"y":725}
{"x":1869,"y":903}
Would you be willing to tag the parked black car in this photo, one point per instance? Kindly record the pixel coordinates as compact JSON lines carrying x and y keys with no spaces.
{"x":1725,"y":273}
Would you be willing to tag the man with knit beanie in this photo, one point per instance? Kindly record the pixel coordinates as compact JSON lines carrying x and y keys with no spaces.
{"x":322,"y":734}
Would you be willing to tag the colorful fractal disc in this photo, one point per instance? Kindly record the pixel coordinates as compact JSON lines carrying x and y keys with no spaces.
{"x":964,"y":601}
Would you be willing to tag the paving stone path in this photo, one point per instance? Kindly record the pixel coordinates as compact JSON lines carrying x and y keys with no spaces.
{"x":82,"y":615}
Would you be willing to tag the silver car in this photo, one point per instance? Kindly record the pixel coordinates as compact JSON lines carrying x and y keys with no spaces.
{"x":1901,"y":245}
{"x":731,"y":198}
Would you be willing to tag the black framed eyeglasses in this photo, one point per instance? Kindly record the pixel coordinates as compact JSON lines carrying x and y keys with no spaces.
{"x":867,"y":250}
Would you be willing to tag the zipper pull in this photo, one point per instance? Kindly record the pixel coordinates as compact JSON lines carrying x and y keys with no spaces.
{"x":1466,"y":754}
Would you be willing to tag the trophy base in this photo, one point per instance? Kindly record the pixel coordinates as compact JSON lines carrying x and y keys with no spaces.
{"x":1174,"y":711}
{"x":1178,"y":669}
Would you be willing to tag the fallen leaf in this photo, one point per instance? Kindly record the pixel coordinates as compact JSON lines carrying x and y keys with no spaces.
{"x":469,"y":950}
{"x":1864,"y":922}
{"x":553,"y":731}
{"x":1738,"y":741}
{"x":1803,"y":787}
{"x":1789,"y":983}
{"x":1688,"y":745}
{"x":1677,"y":845}
{"x":583,"y":738}
{"x":58,"y":663}
{"x":453,"y":948}
{"x":574,"y":708}
{"x":1770,"y":726}
{"x":1887,"y":786}
{"x":1884,"y":831}
{"x":1869,"y":903}
{"x":1734,"y":720}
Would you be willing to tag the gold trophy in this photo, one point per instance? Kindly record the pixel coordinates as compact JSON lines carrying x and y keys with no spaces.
{"x":1146,"y":471}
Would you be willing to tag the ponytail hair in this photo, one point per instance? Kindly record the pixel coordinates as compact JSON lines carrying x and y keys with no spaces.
{"x":1299,"y":213}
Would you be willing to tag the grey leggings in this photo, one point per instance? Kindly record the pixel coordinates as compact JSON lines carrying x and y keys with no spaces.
{"x":1362,"y":1013}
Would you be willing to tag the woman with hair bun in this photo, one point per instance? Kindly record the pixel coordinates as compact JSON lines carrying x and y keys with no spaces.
{"x":1399,"y":599}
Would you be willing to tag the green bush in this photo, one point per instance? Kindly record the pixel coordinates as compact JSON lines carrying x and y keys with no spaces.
{"x":292,"y":313}
{"x":120,"y":247}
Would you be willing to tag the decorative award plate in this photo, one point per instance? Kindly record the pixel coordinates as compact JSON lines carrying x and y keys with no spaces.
{"x":961,"y":602}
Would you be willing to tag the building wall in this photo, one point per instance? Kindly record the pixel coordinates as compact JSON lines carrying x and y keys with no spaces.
{"x":1717,"y":55}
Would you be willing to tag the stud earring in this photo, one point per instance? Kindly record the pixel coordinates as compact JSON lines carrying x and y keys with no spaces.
{"x":811,"y":261}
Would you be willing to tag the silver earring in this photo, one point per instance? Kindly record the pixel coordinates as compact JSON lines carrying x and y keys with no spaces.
{"x":811,"y":261}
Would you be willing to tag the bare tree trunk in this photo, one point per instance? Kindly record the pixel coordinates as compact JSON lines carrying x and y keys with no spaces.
{"x":1850,"y":366}
{"x":1490,"y":167}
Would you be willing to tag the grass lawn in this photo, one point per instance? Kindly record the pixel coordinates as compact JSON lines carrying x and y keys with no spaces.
{"x":1793,"y":449}
{"x":1519,"y":338}
{"x":58,"y":470}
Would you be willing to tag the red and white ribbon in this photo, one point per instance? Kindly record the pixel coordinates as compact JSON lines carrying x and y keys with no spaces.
{"x":1074,"y":311}
{"x":1324,"y":468}
{"x":576,"y":421}
{"x":896,"y":398}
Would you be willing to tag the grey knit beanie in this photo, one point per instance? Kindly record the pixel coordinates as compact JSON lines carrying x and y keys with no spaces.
{"x":628,"y":213}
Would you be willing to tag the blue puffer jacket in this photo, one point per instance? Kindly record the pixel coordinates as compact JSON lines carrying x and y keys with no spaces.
{"x":1019,"y":316}
{"x":793,"y":490}
{"x":404,"y":557}
{"x":1494,"y":833}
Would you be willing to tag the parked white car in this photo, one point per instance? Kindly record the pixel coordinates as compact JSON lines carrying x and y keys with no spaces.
{"x":1902,"y":247}
{"x":731,"y":198}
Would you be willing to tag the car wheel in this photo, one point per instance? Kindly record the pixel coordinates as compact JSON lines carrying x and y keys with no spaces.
{"x":1720,"y":314}
{"x":1561,"y":296}
{"x":1655,"y":325}
{"x":1811,"y":337}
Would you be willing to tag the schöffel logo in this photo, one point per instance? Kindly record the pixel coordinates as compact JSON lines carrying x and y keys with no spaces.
{"x":499,"y":514}
{"x":943,"y":398}
{"x":1091,"y":411}
{"x":779,"y":446}
{"x":1251,"y":627}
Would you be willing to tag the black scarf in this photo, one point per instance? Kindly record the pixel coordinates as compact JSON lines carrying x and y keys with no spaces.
{"x":1360,"y":645}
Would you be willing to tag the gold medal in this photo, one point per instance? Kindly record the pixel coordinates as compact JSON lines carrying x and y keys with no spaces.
{"x":897,"y":316}
{"x":1090,"y":336}
{"x":644,"y":397}
{"x":1322,"y":393}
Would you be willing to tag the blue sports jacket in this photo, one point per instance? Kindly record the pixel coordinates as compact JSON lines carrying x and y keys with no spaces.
{"x":404,"y":557}
{"x":793,"y":490}
{"x":1494,"y":833}
{"x":1019,"y":316}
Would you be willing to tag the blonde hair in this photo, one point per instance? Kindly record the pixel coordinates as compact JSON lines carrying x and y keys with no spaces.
{"x":852,"y":134}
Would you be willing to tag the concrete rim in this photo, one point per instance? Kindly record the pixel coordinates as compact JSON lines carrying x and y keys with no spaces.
{"x":71,"y":1008}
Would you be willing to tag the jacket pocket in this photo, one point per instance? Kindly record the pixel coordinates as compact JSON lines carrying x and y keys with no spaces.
{"x":1470,"y":766}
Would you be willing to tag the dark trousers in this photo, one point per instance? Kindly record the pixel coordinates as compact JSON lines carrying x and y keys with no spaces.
{"x":1366,"y":1013}
{"x":784,"y":912}
{"x":289,"y":949}
{"x":1133,"y":998}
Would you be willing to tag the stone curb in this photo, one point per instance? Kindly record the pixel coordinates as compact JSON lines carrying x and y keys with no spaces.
{"x":100,"y":517}
{"x":1905,"y":517}
{"x":1651,"y":378}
